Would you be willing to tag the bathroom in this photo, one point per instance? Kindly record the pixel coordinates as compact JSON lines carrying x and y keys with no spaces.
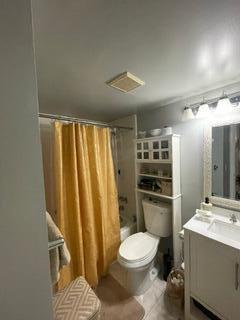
{"x":120,"y":171}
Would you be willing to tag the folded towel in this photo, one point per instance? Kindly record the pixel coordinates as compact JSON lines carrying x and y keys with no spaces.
{"x":59,"y":256}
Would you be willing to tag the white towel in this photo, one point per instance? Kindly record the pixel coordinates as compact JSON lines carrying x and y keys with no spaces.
{"x":59,"y":256}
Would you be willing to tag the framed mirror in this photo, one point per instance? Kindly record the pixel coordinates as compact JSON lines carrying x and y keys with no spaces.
{"x":222,"y":163}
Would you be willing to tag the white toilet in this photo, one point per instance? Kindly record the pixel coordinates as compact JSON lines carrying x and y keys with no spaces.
{"x":137,"y":253}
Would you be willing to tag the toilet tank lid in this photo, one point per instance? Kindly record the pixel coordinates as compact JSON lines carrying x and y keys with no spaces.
{"x":156,"y":203}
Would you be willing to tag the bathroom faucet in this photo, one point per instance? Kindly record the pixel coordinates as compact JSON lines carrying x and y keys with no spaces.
{"x":233,"y":218}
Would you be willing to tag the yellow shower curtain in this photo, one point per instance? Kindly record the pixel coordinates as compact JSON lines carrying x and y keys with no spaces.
{"x":86,"y":198}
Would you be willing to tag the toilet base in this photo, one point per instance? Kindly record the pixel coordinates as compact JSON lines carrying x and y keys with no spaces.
{"x":139,"y":280}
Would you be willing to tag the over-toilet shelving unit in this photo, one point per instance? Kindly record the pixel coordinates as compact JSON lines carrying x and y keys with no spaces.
{"x":158,"y":162}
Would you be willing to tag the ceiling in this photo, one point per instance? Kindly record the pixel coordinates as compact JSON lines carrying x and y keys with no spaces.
{"x":177,"y":47}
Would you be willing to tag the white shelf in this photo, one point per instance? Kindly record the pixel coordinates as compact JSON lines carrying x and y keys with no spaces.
{"x":154,"y":176}
{"x":158,"y":194}
{"x":171,"y":165}
{"x":158,"y":137}
{"x":155,"y":161}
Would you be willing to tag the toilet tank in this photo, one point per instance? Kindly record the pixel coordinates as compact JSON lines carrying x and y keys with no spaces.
{"x":158,"y":217}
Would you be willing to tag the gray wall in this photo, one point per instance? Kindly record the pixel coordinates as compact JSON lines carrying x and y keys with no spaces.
{"x":25,"y":292}
{"x":191,"y":151}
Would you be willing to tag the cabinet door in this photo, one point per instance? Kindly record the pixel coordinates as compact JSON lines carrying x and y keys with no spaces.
{"x":156,"y":155}
{"x":166,"y":149}
{"x":155,"y":150}
{"x":139,"y":146}
{"x":214,"y":277}
{"x":146,"y":145}
{"x":156,"y":144}
{"x":139,"y":150}
{"x":143,"y":150}
{"x":139,"y":155}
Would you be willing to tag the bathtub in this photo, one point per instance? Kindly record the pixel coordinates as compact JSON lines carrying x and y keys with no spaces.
{"x":128,"y":227}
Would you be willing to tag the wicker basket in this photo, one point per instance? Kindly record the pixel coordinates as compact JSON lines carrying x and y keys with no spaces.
{"x":166,"y":187}
{"x":175,"y":284}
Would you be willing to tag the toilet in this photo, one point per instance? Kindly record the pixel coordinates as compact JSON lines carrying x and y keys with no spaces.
{"x":137,"y":253}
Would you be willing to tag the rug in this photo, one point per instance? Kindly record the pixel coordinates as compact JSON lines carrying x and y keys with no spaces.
{"x":116,"y":302}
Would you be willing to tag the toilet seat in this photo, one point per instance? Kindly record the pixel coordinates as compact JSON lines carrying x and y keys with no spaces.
{"x":138,"y":250}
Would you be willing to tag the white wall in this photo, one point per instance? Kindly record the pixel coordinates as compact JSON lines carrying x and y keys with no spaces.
{"x":25,"y":292}
{"x":46,"y":134}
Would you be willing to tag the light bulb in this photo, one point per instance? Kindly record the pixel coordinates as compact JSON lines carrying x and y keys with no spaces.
{"x":223,"y":106}
{"x":203,"y":111}
{"x":187,"y":114}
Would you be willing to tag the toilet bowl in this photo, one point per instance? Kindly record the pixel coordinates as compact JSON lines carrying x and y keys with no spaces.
{"x":137,"y":253}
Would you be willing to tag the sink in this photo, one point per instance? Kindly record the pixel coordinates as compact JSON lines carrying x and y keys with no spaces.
{"x":202,"y":218}
{"x":225,"y":229}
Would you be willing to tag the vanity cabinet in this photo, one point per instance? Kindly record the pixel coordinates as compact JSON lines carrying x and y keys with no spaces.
{"x":214,"y":276}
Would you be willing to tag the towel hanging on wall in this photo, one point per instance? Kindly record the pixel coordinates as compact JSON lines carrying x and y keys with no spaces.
{"x":59,"y":256}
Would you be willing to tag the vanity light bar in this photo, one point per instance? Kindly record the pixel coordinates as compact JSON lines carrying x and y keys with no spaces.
{"x":195,"y":110}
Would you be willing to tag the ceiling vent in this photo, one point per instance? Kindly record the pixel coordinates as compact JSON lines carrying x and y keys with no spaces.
{"x":125,"y":82}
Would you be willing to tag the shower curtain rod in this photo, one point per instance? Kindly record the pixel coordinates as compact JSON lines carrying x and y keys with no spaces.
{"x":77,"y":120}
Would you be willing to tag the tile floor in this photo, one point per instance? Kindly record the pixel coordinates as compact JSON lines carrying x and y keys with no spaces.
{"x":157,"y":305}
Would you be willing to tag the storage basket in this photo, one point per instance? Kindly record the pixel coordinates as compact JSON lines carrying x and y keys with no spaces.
{"x":175,"y":284}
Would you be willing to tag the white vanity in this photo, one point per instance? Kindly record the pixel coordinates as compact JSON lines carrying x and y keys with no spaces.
{"x":212,"y":243}
{"x":212,"y":261}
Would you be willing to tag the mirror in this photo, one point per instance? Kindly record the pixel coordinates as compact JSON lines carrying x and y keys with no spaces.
{"x":225,"y":161}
